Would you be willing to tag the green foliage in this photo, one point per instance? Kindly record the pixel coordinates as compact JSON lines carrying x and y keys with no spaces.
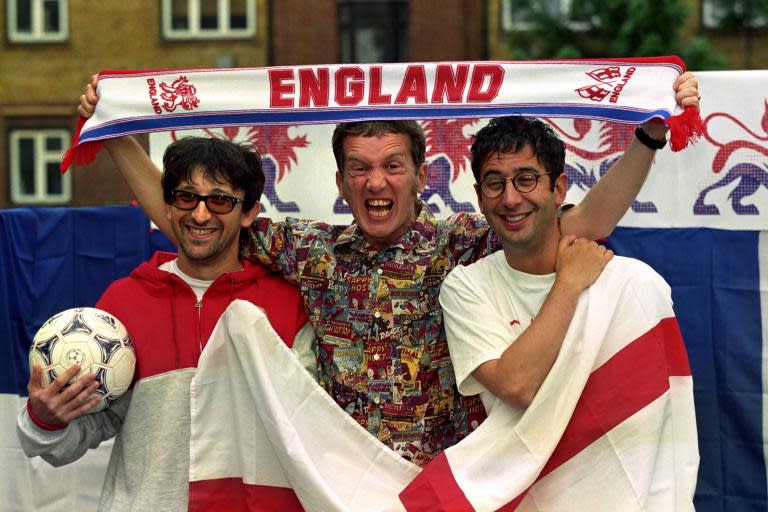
{"x":609,"y":28}
{"x":746,"y":17}
{"x":740,"y":15}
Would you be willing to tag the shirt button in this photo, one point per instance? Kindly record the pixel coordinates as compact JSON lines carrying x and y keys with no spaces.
{"x":377,"y":314}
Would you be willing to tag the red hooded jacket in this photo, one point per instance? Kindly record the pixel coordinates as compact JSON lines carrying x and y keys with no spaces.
{"x":169,"y":327}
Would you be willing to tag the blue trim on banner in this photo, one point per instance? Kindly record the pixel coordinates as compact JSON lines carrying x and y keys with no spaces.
{"x":190,"y":121}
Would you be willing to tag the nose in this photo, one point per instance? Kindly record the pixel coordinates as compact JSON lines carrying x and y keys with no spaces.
{"x":376,"y":179}
{"x":201,"y":214}
{"x":511,"y":198}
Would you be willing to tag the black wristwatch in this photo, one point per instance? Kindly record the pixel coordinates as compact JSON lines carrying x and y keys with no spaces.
{"x":649,"y":141}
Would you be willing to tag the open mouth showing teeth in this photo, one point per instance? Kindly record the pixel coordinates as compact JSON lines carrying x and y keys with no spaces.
{"x":378,"y":207}
{"x":201,"y":231}
{"x":515,"y":218}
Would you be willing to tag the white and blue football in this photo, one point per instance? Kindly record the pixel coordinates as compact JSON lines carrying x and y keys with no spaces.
{"x":95,"y":340}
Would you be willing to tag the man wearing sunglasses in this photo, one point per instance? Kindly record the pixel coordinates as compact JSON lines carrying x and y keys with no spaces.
{"x":169,"y":306}
{"x":501,"y":353}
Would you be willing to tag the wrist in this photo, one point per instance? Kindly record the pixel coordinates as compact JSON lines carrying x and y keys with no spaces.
{"x":568,"y":287}
{"x":649,"y":141}
{"x":40,"y":423}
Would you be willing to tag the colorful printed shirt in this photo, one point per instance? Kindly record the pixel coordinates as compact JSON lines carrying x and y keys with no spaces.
{"x":382,"y":351}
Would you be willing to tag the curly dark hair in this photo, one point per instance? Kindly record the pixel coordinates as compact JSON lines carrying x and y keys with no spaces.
{"x":510,"y":135}
{"x":220,"y":160}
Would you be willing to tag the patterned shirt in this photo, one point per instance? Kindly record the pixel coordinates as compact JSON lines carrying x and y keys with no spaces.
{"x":382,"y":351}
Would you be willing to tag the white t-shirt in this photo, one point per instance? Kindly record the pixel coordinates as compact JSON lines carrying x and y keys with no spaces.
{"x":199,"y":286}
{"x":486,"y":306}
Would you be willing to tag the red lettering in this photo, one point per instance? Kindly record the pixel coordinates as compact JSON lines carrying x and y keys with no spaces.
{"x":375,"y":96}
{"x":414,"y":85}
{"x":278,"y":89}
{"x":313,"y":89}
{"x":152,"y":96}
{"x":495,"y":75}
{"x":449,"y":84}
{"x":350,"y":86}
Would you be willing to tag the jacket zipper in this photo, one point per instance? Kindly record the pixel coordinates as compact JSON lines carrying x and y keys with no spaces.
{"x":199,"y":312}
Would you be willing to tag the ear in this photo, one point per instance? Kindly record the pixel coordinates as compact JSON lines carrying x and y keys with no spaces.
{"x":248,"y":217}
{"x":340,"y":184}
{"x":561,"y":187}
{"x":479,"y":194}
{"x":421,"y":176}
{"x":167,"y":210}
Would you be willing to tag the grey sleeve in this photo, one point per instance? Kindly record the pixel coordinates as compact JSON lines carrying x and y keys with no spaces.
{"x":60,"y":447}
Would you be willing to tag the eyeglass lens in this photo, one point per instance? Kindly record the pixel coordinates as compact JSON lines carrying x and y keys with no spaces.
{"x":523,"y":182}
{"x":216,"y":204}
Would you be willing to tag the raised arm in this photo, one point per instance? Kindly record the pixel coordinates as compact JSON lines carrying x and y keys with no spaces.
{"x":606,"y":203}
{"x":133,"y":163}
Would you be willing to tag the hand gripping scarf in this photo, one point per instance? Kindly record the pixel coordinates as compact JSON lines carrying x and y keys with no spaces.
{"x":631,"y":91}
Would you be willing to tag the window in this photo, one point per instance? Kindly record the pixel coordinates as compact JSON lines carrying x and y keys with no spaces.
{"x":513,"y":17}
{"x":712,"y":14}
{"x":37,"y":21}
{"x":35,"y":174}
{"x":373,"y":31}
{"x":208,"y":19}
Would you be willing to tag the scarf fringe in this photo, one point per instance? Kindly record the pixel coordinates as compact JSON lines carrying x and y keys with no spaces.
{"x":684,"y":129}
{"x":80,"y":154}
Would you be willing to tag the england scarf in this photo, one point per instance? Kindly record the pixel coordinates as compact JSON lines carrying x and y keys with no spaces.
{"x":632,"y":90}
{"x":612,"y":427}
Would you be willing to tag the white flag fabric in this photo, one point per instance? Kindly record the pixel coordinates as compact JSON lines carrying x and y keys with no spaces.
{"x":612,"y":427}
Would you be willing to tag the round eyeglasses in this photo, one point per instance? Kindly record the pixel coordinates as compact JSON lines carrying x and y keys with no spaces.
{"x":216,"y":203}
{"x":523,"y":182}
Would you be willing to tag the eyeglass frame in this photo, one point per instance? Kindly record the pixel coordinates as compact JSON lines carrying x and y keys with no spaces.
{"x":537,"y":175}
{"x":234,"y":201}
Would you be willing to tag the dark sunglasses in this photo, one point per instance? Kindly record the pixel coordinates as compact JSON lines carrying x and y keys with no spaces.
{"x":216,"y":203}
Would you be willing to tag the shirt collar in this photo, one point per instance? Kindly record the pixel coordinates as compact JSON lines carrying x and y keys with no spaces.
{"x":422,"y":232}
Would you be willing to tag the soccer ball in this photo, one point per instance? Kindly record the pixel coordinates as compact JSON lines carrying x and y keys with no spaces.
{"x":95,"y":340}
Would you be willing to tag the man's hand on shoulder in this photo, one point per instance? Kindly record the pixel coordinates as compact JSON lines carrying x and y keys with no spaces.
{"x":580,"y":262}
{"x":58,"y":404}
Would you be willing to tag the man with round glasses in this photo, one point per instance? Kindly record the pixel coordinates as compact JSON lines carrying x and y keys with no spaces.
{"x":507,"y":317}
{"x":518,"y":164}
{"x":169,"y":306}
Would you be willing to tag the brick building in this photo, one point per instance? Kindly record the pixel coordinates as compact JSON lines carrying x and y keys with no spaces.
{"x":49,"y":49}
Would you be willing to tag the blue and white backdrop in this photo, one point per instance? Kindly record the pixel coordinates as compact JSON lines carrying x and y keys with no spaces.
{"x":701,"y":221}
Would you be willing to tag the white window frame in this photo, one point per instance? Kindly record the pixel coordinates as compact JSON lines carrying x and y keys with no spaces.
{"x":38,"y":34}
{"x":711,"y":15}
{"x":509,"y":25}
{"x":223,"y":31}
{"x":42,"y":158}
